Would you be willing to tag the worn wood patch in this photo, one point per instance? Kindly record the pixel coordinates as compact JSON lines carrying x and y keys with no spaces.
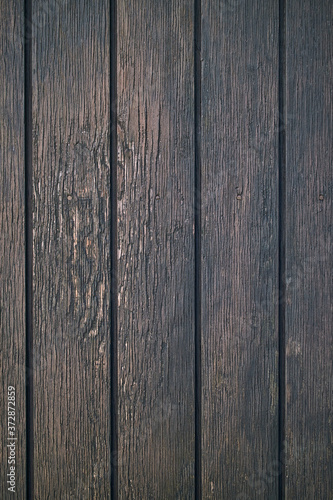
{"x":309,"y":292}
{"x":71,"y":247}
{"x":12,"y":247}
{"x":156,"y":249}
{"x":239,"y":156}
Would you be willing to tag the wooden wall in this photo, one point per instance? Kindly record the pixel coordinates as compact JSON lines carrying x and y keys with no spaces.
{"x":165,"y":242}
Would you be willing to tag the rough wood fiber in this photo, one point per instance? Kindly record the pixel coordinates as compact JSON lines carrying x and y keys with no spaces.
{"x":12,"y":241}
{"x":71,"y":241}
{"x":156,"y":249}
{"x":239,"y":121}
{"x":309,"y":293}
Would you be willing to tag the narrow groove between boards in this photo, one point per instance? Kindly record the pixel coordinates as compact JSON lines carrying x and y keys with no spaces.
{"x":197,"y":201}
{"x":282,"y":243}
{"x":28,"y":246}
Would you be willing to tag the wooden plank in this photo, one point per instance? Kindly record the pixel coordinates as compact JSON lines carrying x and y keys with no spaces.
{"x":309,"y":294}
{"x":71,"y":247}
{"x":12,"y":244}
{"x":239,"y":140}
{"x":156,"y":249}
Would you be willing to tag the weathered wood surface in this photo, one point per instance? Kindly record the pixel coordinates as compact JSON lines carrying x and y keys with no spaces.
{"x":156,"y":249}
{"x":257,"y":122}
{"x":239,"y":157}
{"x":71,"y":247}
{"x":12,"y":240}
{"x":309,"y":294}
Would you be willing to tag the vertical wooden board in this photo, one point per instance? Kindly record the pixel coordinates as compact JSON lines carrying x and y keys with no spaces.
{"x":239,"y":144}
{"x":12,"y":242}
{"x":308,"y":301}
{"x":71,"y":242}
{"x":156,"y":249}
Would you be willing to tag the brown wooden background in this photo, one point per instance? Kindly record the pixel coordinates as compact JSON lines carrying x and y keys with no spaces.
{"x":166,"y":286}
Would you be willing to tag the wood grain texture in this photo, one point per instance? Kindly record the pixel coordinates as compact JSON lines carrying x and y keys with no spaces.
{"x":156,"y":249}
{"x":309,"y":292}
{"x":12,"y":238}
{"x":71,"y":224}
{"x":239,"y":124}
